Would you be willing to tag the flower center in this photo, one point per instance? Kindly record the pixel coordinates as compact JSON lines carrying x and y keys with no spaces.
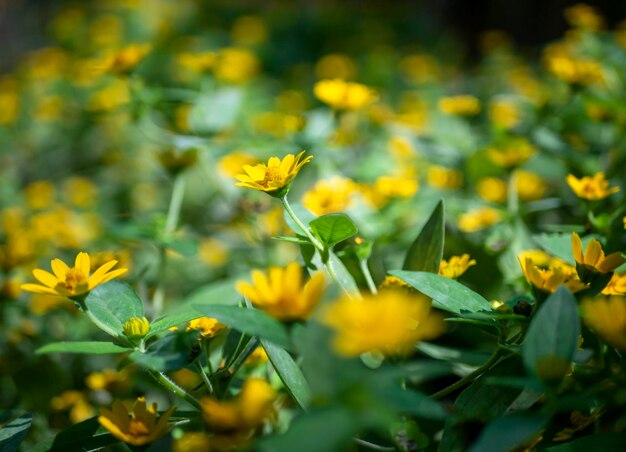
{"x":75,"y":281}
{"x":138,"y":428}
{"x":272,"y":174}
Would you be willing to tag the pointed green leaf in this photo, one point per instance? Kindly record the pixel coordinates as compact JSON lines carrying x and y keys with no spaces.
{"x":289,"y":373}
{"x":507,"y":432}
{"x":88,"y":347}
{"x":249,"y":321}
{"x":426,"y":252}
{"x":333,"y":228}
{"x":15,"y":426}
{"x":111,"y":305}
{"x":86,"y":435}
{"x":165,"y":323}
{"x":447,"y":294}
{"x":552,"y":337}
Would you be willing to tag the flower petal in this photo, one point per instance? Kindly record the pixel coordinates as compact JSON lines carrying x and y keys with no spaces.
{"x":83,"y":263}
{"x":45,"y":277}
{"x":59,"y":268}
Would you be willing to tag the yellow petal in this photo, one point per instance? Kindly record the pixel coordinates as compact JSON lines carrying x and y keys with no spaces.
{"x":36,"y":288}
{"x":109,"y":276}
{"x":97,"y":276}
{"x":46,"y":278}
{"x":59,"y":268}
{"x":611,"y":262}
{"x":593,"y":253}
{"x":577,"y":247}
{"x":83,"y":263}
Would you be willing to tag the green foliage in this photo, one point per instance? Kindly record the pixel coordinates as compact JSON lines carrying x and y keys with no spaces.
{"x":112,"y":304}
{"x":333,"y":228}
{"x":13,"y":429}
{"x":426,"y":251}
{"x":289,"y":373}
{"x":86,"y":347}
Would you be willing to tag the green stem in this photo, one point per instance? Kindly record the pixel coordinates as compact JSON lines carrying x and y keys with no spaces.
{"x":368,"y":276}
{"x":241,"y":358}
{"x":469,"y":377}
{"x":205,"y":377}
{"x":173,"y":214}
{"x":512,"y":195}
{"x":170,"y":385}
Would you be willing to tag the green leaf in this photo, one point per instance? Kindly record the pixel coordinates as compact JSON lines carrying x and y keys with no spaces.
{"x":169,"y":321}
{"x":606,"y":442}
{"x":15,"y":426}
{"x":343,"y":275}
{"x":426,"y":252}
{"x":299,"y":239}
{"x":88,"y":347}
{"x":219,"y":292}
{"x":447,"y":294}
{"x":507,"y":432}
{"x":552,"y":337}
{"x":289,"y":373}
{"x":172,"y":352}
{"x":249,"y":321}
{"x":333,"y":228}
{"x":111,"y":305}
{"x":86,"y":435}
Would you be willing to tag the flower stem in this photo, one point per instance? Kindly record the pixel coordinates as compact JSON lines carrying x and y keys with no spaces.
{"x":512,"y":195}
{"x":205,"y":377}
{"x":368,"y":276}
{"x":169,"y":384}
{"x":469,"y":377}
{"x":173,"y":214}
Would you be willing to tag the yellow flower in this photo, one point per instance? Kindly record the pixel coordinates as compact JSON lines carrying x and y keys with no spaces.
{"x":197,"y":62}
{"x":459,"y":105}
{"x":617,"y":285}
{"x":330,"y":196}
{"x":549,"y":279}
{"x":140,"y":427}
{"x":40,"y":194}
{"x":442,"y":177}
{"x":192,"y":442}
{"x":136,"y":327}
{"x":504,"y":113}
{"x":9,"y":101}
{"x":281,"y":293}
{"x":208,"y":327}
{"x":232,"y":163}
{"x":492,"y":189}
{"x":275,"y":177}
{"x":126,"y":58}
{"x":478,"y":219}
{"x":391,"y":322}
{"x":335,"y":66}
{"x":513,"y":153}
{"x":455,"y":266}
{"x":396,"y":187}
{"x":246,"y":411}
{"x":607,"y":316}
{"x":258,"y":356}
{"x":594,"y":260}
{"x":530,"y":186}
{"x":584,"y":16}
{"x":591,"y":188}
{"x":108,"y":379}
{"x":72,"y":282}
{"x":395,"y":283}
{"x":344,"y":95}
{"x":236,"y":65}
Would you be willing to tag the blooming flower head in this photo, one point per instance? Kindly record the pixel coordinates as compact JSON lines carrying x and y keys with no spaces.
{"x":463,"y":105}
{"x":492,"y":189}
{"x":281,"y":293}
{"x":138,"y":428}
{"x":330,"y":196}
{"x":344,"y":95}
{"x":455,"y":266}
{"x":208,"y":327}
{"x":591,"y":188}
{"x":274,"y":178}
{"x":607,"y":316}
{"x":74,"y":281}
{"x":136,"y":327}
{"x":391,"y":322}
{"x":593,"y":261}
{"x":549,"y":279}
{"x":478,"y":219}
{"x":246,"y":411}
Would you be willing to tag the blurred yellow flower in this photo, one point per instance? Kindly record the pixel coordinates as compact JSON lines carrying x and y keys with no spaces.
{"x":80,"y":191}
{"x":549,"y":279}
{"x":344,"y":95}
{"x":275,"y":177}
{"x":107,"y":379}
{"x":594,"y":260}
{"x":391,"y":322}
{"x":617,"y":285}
{"x":48,"y":109}
{"x":513,"y":153}
{"x":192,"y":442}
{"x":607,"y":316}
{"x":212,"y":252}
{"x":257,"y":357}
{"x":560,"y":61}
{"x":75,"y":281}
{"x":231,"y":163}
{"x":76,"y":402}
{"x":138,"y":428}
{"x":492,"y":189}
{"x":396,"y":187}
{"x":530,"y":186}
{"x":504,"y":113}
{"x":112,"y":96}
{"x":247,"y":411}
{"x":281,"y":293}
{"x":400,"y":147}
{"x":455,"y":266}
{"x":136,"y":327}
{"x":420,"y":68}
{"x":335,"y":66}
{"x":463,"y":105}
{"x":127,"y":58}
{"x":208,"y":327}
{"x":40,"y":194}
{"x":197,"y":62}
{"x":330,"y":196}
{"x":444,"y":178}
{"x":478,"y":219}
{"x":591,"y":188}
{"x":584,"y":16}
{"x":236,"y":65}
{"x":9,"y":101}
{"x":278,"y":124}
